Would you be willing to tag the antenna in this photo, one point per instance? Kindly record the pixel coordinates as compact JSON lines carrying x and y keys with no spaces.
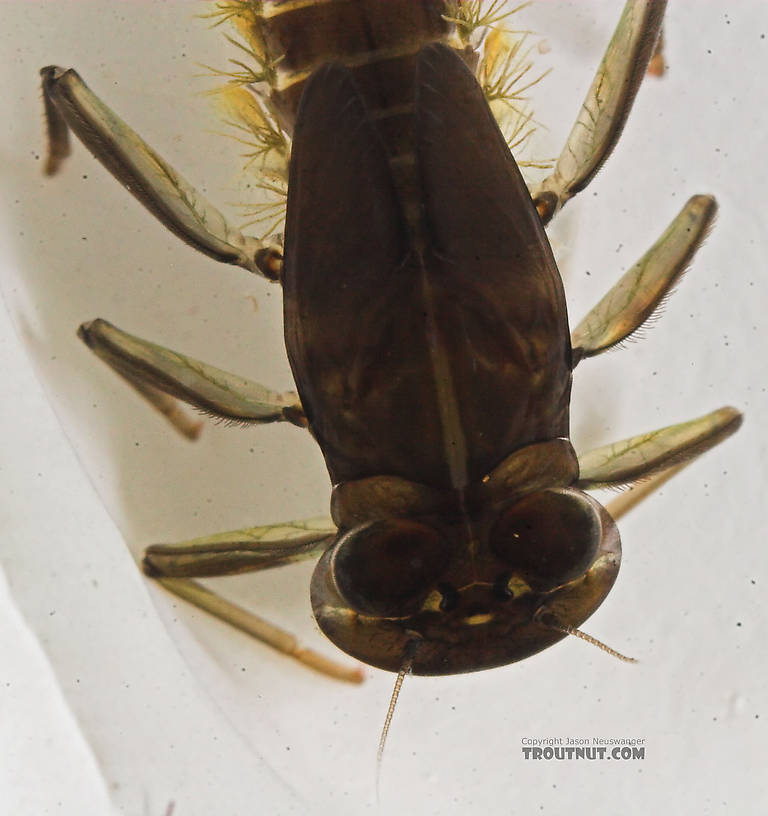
{"x":548,"y":619}
{"x":404,"y":669}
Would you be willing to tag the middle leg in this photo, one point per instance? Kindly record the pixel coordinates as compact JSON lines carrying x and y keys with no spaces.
{"x":164,"y":377}
{"x":645,"y":286}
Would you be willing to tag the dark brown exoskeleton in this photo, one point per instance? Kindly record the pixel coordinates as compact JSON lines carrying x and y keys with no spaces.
{"x":440,"y":397}
{"x":426,"y":327}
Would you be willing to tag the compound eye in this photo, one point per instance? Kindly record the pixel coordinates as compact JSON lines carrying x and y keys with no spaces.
{"x":550,"y":537}
{"x":388,"y":568}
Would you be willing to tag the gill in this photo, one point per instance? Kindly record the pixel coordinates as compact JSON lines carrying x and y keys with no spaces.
{"x":504,"y":70}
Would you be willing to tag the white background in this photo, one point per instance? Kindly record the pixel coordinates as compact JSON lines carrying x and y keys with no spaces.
{"x":114,"y":698}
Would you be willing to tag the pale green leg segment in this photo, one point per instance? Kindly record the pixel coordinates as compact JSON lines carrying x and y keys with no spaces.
{"x":164,"y":377}
{"x":239,"y":551}
{"x":248,"y":550}
{"x":645,"y":286}
{"x":71,"y":105}
{"x":606,"y":107}
{"x":648,"y":460}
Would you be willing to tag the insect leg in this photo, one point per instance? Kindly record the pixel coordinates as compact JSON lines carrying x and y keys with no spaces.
{"x":248,"y":550}
{"x":657,"y":452}
{"x":71,"y":105}
{"x":645,"y":286}
{"x":656,"y":66}
{"x":163,"y":377}
{"x":259,"y":628}
{"x":639,"y":491}
{"x":606,"y":107}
